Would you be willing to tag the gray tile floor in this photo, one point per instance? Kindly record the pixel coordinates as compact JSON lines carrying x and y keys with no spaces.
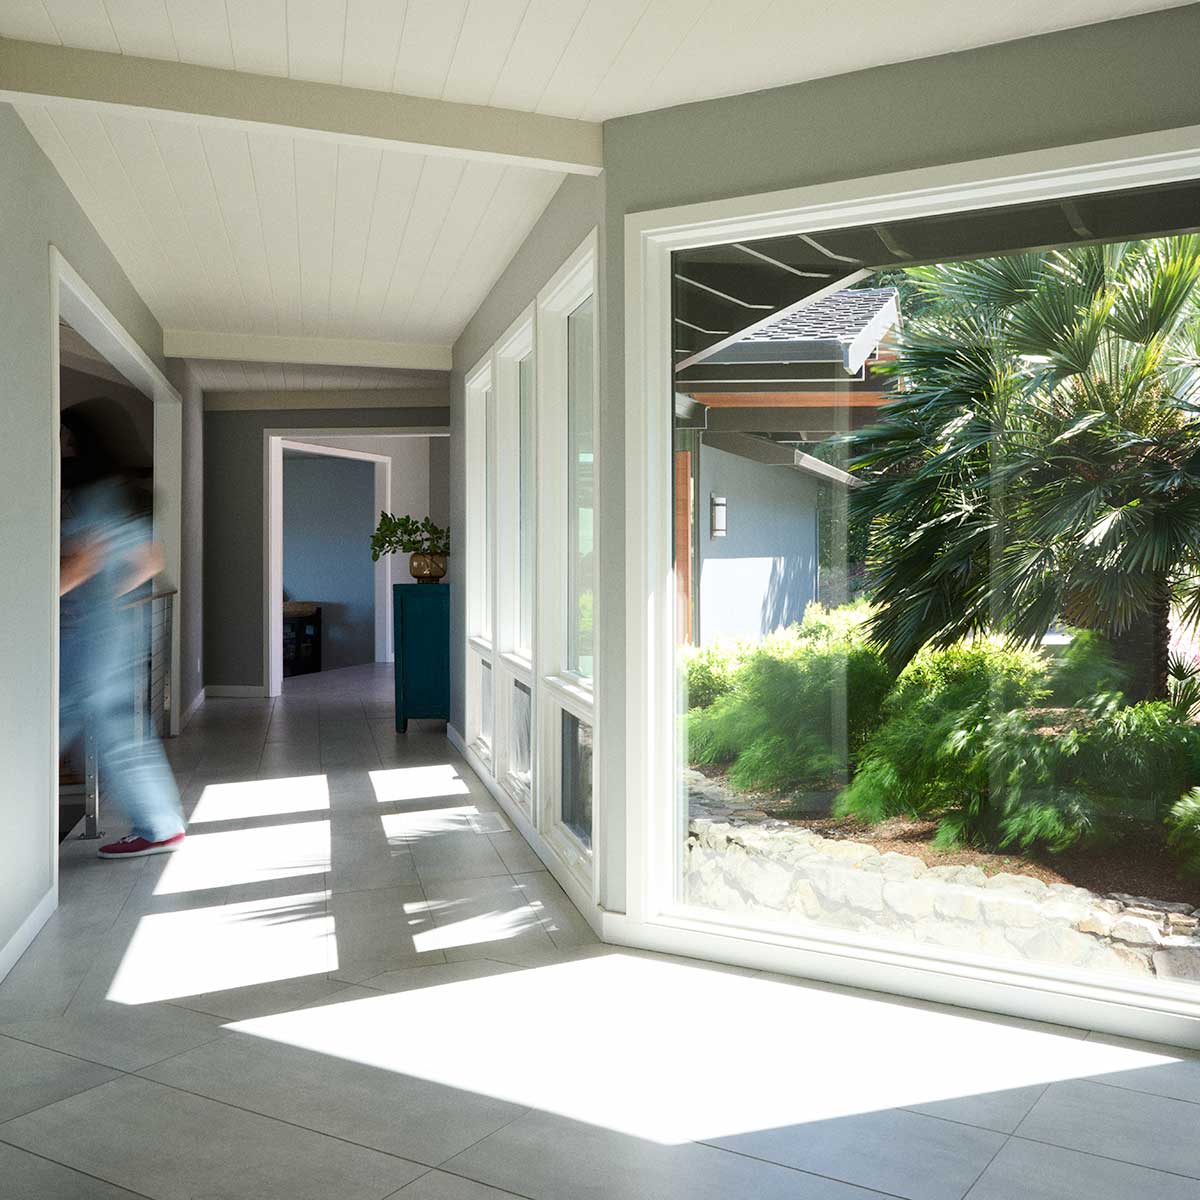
{"x":355,"y":981}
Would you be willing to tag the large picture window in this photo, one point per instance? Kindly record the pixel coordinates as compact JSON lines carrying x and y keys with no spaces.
{"x":936,"y":604}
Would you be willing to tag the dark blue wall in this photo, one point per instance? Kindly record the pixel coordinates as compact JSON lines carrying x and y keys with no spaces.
{"x":328,"y":517}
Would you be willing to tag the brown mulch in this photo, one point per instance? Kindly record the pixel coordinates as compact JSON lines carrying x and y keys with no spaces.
{"x":1137,"y":864}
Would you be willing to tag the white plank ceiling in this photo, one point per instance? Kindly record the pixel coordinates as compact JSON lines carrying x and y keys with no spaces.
{"x":592,"y":59}
{"x":225,"y":230}
{"x":238,"y":230}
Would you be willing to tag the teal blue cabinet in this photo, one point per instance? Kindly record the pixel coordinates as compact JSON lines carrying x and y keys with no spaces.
{"x":421,"y":624}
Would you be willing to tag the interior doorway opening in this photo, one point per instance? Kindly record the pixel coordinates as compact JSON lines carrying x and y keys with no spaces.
{"x":410,"y":475}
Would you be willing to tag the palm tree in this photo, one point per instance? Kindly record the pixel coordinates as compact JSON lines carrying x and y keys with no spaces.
{"x":1040,"y":459}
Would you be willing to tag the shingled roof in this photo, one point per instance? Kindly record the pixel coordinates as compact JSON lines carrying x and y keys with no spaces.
{"x":845,"y":327}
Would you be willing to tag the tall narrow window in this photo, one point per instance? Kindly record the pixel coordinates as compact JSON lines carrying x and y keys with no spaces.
{"x":525,"y":487}
{"x":489,"y":554}
{"x":581,"y":439}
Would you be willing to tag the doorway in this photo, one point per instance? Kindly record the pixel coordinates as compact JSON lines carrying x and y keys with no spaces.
{"x":398,"y":484}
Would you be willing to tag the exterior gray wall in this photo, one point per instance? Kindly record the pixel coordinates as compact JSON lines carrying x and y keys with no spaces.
{"x":233,"y":524}
{"x":328,"y":516}
{"x":763,"y":573}
{"x":573,"y":212}
{"x":36,"y":211}
{"x":191,"y":571}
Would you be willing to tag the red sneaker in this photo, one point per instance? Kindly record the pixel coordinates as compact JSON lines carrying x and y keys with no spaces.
{"x":138,"y":847}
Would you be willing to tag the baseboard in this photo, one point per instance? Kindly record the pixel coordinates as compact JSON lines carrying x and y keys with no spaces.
{"x":16,"y":945}
{"x":234,"y":691}
{"x":189,"y":712}
{"x":456,"y":739}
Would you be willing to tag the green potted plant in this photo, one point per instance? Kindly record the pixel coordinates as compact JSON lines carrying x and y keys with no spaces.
{"x":426,"y":544}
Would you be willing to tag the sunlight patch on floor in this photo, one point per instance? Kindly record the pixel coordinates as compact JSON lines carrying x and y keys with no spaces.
{"x":493,"y":926}
{"x":242,"y":856}
{"x":261,"y":798}
{"x":413,"y":826}
{"x":418,"y":783}
{"x":200,"y":950}
{"x":676,"y":1053}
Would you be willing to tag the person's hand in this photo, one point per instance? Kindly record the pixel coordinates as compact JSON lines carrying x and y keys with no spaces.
{"x":77,"y":565}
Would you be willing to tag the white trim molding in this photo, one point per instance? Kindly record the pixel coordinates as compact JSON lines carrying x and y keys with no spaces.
{"x":654,"y":917}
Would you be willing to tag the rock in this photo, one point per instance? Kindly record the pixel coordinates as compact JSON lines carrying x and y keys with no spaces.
{"x":1058,"y":944}
{"x":1137,"y":931}
{"x":1160,"y":906}
{"x":1019,"y":883}
{"x":848,"y":852}
{"x":1098,"y":921}
{"x":749,"y":814}
{"x":957,"y":903}
{"x":967,"y":876}
{"x":1179,"y":923}
{"x":1178,"y":962}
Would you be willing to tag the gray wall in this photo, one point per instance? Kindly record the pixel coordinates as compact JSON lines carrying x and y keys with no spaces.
{"x":233,"y":524}
{"x":439,"y":480}
{"x":763,"y":573}
{"x":36,"y":210}
{"x":328,"y":516}
{"x":191,"y":570}
{"x":573,"y":212}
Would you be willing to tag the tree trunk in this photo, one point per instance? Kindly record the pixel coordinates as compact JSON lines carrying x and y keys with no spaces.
{"x":1143,"y":648}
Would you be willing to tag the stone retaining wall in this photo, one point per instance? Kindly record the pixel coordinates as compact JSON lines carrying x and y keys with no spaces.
{"x":773,"y":867}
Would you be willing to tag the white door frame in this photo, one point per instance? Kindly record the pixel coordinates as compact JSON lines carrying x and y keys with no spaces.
{"x":74,"y":301}
{"x":654,"y":917}
{"x":275,"y":441}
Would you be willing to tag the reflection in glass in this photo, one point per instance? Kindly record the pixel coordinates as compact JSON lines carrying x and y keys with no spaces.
{"x":486,"y":704}
{"x":519,"y":765}
{"x":577,"y":777}
{"x":581,"y":565}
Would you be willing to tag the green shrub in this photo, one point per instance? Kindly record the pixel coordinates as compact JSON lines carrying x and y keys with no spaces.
{"x":803,"y":703}
{"x":1084,"y":668}
{"x":709,"y":672}
{"x":954,"y":739}
{"x":1183,"y":830}
{"x":1141,"y":757}
{"x":971,"y":738}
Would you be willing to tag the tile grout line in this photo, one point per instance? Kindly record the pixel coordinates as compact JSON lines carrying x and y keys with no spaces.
{"x":68,"y":1167}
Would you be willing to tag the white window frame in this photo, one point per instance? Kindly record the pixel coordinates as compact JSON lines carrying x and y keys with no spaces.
{"x":654,"y":918}
{"x":559,"y":687}
{"x":512,"y":664}
{"x":480,"y":534}
{"x":541,"y":331}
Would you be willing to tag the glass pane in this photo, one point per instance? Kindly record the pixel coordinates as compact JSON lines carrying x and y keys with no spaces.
{"x":486,"y":703}
{"x":581,"y":565}
{"x":519,"y":754}
{"x":485,"y":524}
{"x":936,"y":605}
{"x":577,"y":777}
{"x":526,"y":501}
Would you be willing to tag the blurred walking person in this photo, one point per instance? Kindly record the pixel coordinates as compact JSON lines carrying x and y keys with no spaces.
{"x":108,"y":550}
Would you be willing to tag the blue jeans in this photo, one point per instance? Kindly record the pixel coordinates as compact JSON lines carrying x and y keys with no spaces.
{"x":96,"y":696}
